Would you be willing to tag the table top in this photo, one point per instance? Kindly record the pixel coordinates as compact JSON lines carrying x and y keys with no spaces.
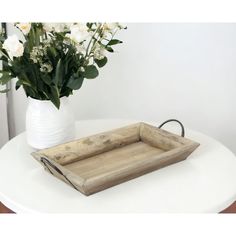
{"x":204,"y":182}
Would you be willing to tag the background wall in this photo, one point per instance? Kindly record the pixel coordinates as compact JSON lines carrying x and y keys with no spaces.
{"x":185,"y":71}
{"x":3,"y":115}
{"x":3,"y":118}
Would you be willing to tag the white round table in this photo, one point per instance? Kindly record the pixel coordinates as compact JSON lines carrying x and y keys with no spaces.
{"x":205,"y":182}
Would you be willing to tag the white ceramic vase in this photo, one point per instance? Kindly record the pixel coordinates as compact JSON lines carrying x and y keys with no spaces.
{"x":46,"y":126}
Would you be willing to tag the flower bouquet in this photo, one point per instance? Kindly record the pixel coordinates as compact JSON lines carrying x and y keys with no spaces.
{"x":52,"y":61}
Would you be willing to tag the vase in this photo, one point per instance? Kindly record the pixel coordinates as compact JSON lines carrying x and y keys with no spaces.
{"x":46,"y":126}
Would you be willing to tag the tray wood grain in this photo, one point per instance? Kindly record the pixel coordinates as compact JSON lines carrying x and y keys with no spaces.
{"x":101,"y":161}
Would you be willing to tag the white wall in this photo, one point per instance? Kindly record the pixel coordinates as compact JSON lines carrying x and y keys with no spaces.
{"x":3,"y":118}
{"x":185,"y":71}
{"x":3,"y":115}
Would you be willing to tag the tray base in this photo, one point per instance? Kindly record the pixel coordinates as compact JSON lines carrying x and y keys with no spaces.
{"x":113,"y":160}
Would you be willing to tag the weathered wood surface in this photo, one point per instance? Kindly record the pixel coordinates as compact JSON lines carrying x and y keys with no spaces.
{"x":160,"y":138}
{"x":100,"y":161}
{"x":93,"y":145}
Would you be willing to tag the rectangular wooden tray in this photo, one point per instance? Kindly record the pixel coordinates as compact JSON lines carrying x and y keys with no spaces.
{"x":100,"y":161}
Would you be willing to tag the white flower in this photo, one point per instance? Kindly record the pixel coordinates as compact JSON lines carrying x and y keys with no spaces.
{"x":13,"y":47}
{"x":80,"y":49}
{"x":99,"y":52}
{"x":37,"y":53}
{"x":46,"y":67}
{"x":82,"y":69}
{"x":108,"y":29}
{"x":57,"y":27}
{"x":24,"y":27}
{"x":48,"y":27}
{"x":111,"y":26}
{"x":78,"y":33}
{"x":121,"y":26}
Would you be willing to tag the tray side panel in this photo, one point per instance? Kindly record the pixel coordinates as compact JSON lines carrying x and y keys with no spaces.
{"x":67,"y":176}
{"x":92,"y":145}
{"x":162,"y":139}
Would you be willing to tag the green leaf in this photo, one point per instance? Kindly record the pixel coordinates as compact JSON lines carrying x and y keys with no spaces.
{"x":55,"y":97}
{"x":89,"y":25}
{"x":75,"y":83}
{"x":114,"y":42}
{"x":102,"y":62}
{"x":52,"y":55}
{"x":59,"y":73}
{"x":5,"y":77}
{"x":30,"y":92}
{"x":25,"y":81}
{"x":91,"y":72}
{"x":109,"y":49}
{"x":18,"y":84}
{"x":65,"y":92}
{"x":46,"y":79}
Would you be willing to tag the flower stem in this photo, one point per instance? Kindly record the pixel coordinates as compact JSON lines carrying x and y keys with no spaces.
{"x":92,"y":38}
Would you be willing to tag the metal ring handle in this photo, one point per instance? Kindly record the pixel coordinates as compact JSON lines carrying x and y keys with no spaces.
{"x":171,"y":120}
{"x":46,"y":162}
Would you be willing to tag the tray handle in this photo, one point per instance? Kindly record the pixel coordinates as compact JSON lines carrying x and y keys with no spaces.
{"x":46,"y":162}
{"x":171,"y":120}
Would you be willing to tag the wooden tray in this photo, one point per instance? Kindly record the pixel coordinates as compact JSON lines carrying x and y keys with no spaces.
{"x":100,"y":161}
